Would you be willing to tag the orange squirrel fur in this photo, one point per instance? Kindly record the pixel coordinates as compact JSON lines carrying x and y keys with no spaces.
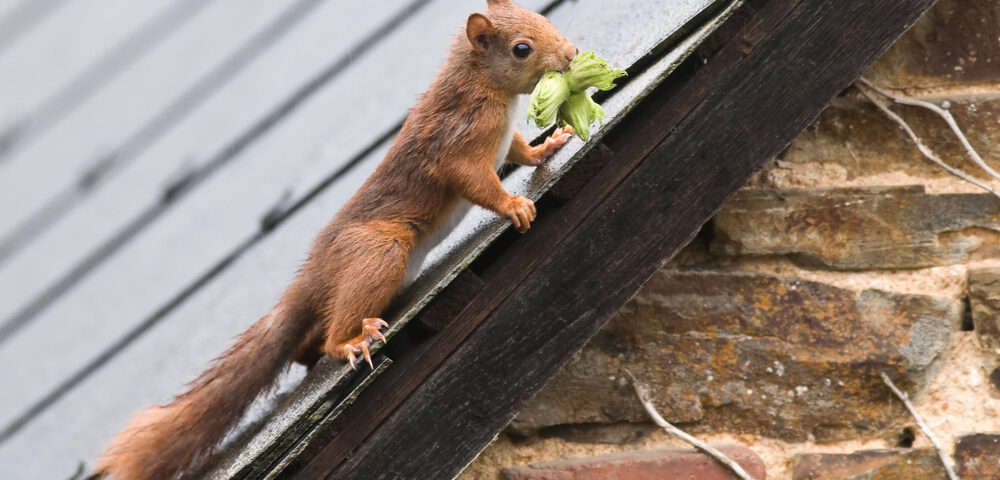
{"x":446,"y":155}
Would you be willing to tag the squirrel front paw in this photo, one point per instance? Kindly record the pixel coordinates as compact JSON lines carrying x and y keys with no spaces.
{"x":552,"y":144}
{"x":521,"y":212}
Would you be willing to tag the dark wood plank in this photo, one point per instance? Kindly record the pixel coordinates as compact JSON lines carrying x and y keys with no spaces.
{"x":447,"y":305}
{"x":750,"y":115}
{"x":581,"y":174}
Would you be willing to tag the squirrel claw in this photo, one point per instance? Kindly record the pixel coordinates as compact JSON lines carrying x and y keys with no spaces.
{"x":366,"y":353}
{"x":521,"y":212}
{"x":351,"y":353}
{"x":371,"y":327}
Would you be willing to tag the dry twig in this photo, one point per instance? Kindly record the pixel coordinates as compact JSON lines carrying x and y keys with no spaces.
{"x":923,"y":426}
{"x":698,"y":444}
{"x":868,"y":90}
{"x":946,"y":115}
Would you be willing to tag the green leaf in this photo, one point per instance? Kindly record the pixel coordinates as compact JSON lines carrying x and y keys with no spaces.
{"x":550,"y":92}
{"x":588,"y":70}
{"x":579,"y":111}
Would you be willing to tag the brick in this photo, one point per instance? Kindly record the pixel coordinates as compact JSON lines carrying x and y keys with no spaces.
{"x":860,"y":228}
{"x":755,"y":353}
{"x":647,"y":465}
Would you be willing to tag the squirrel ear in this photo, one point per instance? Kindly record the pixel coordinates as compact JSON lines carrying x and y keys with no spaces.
{"x":479,"y":29}
{"x":497,"y":3}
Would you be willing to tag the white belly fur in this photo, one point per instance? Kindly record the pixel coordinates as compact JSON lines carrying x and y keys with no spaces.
{"x":456,"y":215}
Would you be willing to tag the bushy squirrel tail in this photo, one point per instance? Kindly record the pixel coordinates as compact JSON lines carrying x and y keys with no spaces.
{"x":164,"y":441}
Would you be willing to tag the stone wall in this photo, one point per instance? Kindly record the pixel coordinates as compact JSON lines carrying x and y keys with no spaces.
{"x":848,"y":256}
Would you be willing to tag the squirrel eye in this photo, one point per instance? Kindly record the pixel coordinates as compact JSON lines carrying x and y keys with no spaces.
{"x":521,"y":50}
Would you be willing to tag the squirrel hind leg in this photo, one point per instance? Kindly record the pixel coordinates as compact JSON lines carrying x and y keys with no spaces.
{"x":364,"y":288}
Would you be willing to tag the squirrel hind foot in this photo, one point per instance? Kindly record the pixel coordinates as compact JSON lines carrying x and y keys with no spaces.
{"x":360,"y":345}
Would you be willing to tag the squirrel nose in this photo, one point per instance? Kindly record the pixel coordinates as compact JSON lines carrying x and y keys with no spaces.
{"x":570,"y":52}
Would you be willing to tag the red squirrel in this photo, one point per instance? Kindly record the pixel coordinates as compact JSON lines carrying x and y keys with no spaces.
{"x":446,"y":155}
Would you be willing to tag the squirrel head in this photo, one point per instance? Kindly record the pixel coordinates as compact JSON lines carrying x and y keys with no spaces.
{"x":516,"y":46}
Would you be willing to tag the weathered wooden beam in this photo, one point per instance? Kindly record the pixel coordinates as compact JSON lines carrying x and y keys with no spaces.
{"x":449,"y":303}
{"x":585,"y":259}
{"x":348,"y":432}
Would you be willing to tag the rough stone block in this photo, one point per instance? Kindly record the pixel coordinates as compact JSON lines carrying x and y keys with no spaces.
{"x":748,"y":352}
{"x":648,"y":465}
{"x":978,"y":456}
{"x":984,"y":298}
{"x":955,"y":43}
{"x":860,"y":228}
{"x":851,"y":139}
{"x":896,"y":464}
